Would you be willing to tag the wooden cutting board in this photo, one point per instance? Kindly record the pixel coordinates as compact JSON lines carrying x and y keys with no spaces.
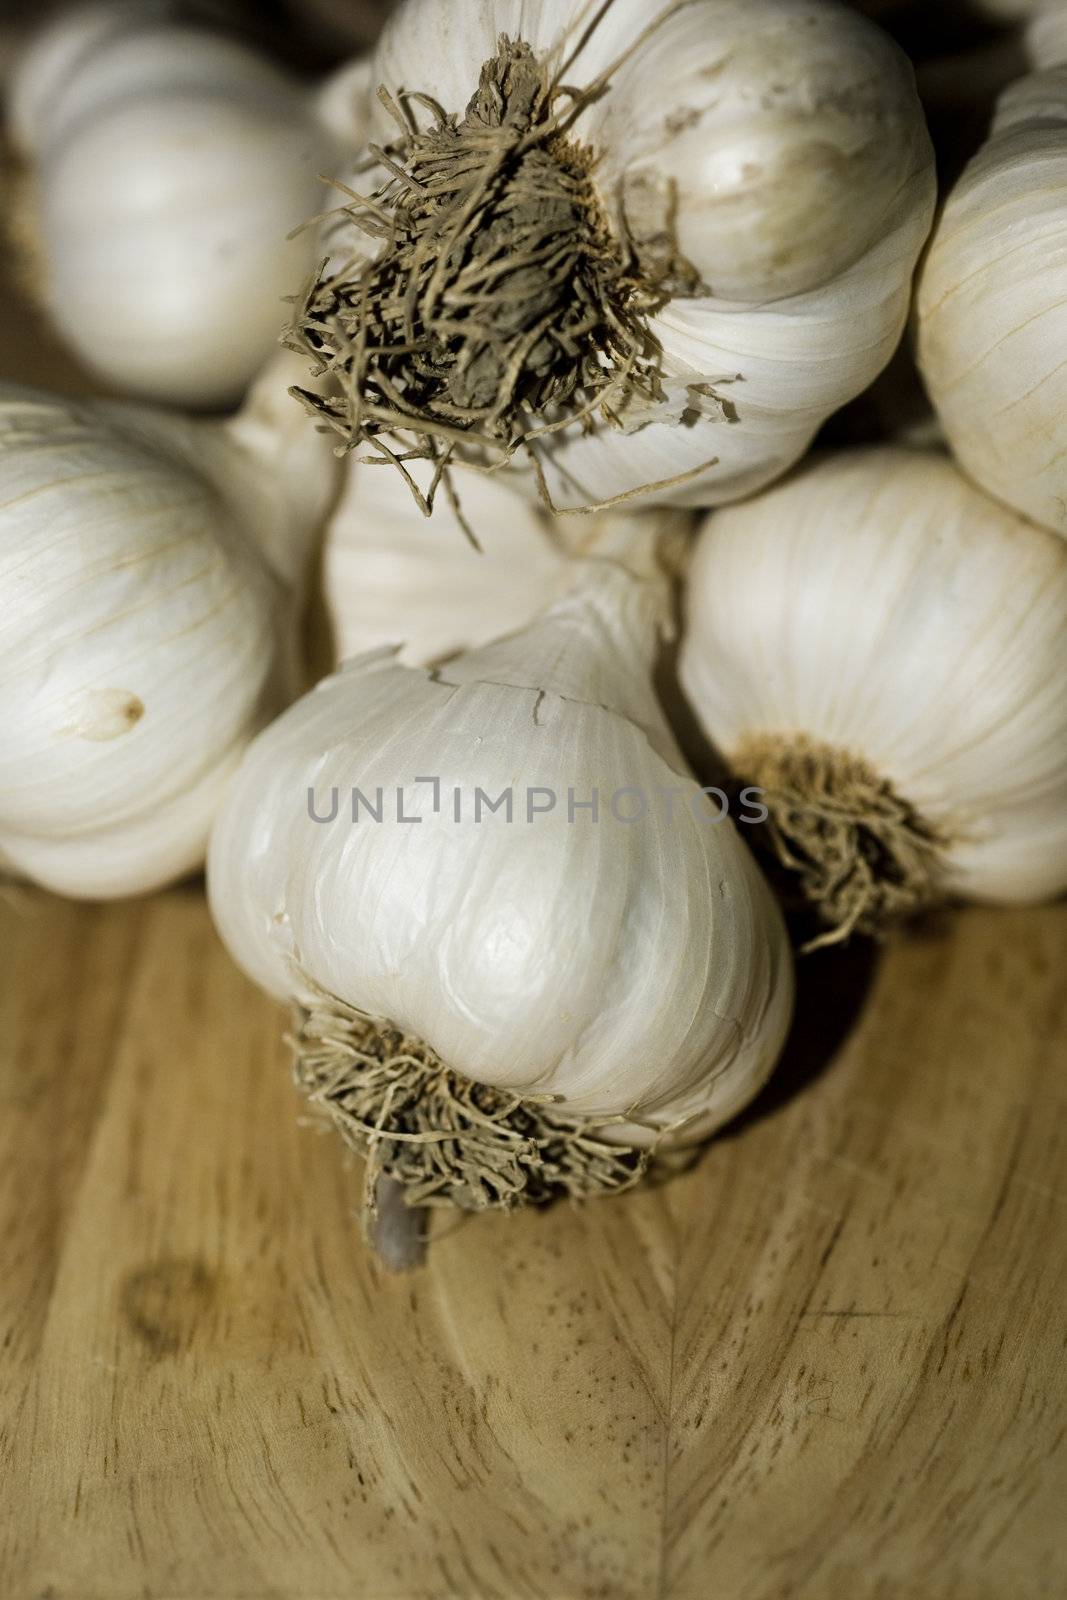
{"x":830,"y":1360}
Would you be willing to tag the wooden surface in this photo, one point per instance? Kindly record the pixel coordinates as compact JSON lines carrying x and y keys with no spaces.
{"x":829,"y":1361}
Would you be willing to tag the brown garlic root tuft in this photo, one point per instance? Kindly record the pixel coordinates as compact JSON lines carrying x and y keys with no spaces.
{"x":864,"y":856}
{"x":444,"y":1140}
{"x":499,"y":304}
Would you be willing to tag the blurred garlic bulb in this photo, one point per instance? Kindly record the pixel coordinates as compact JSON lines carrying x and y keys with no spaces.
{"x":884,"y":651}
{"x":551,"y":985}
{"x":1009,"y":10}
{"x":991,"y":308}
{"x":658,"y":280}
{"x":391,"y":576}
{"x":150,"y":574}
{"x":1046,"y":34}
{"x":166,"y":166}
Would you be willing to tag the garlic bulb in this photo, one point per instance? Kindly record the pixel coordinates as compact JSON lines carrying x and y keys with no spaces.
{"x":883,"y":650}
{"x":658,"y":280}
{"x":1046,"y":34}
{"x":167,"y":166}
{"x":991,"y":307}
{"x":1009,"y":10}
{"x":150,"y":570}
{"x":390,"y":576}
{"x":592,"y":965}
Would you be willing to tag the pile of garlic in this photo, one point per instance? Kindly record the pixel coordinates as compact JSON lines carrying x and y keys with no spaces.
{"x":606,"y":260}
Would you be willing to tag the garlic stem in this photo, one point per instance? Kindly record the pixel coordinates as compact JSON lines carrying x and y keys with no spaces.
{"x":395,"y":1230}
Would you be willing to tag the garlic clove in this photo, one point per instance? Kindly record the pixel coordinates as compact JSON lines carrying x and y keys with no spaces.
{"x":774,"y":128}
{"x":134,"y":854}
{"x":456,"y":581}
{"x":393,"y":577}
{"x":1046,"y":35}
{"x":773,"y":373}
{"x":170,"y":283}
{"x":341,"y":103}
{"x":277,"y":474}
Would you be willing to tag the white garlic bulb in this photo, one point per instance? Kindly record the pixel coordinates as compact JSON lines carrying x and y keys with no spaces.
{"x":528,"y":976}
{"x":1008,"y":11}
{"x":991,"y":305}
{"x":883,"y":650}
{"x":1046,"y":34}
{"x":393,"y":576}
{"x":658,"y":281}
{"x":150,"y":573}
{"x":167,"y":165}
{"x":471,"y":574}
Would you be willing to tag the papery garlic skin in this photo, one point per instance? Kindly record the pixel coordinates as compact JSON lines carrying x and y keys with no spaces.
{"x":1009,"y":10}
{"x":881,"y":605}
{"x":55,"y":55}
{"x":168,"y":166}
{"x":791,"y":135}
{"x":392,"y":576}
{"x":147,"y":630}
{"x":991,"y":305}
{"x":1046,"y":34}
{"x":636,"y":971}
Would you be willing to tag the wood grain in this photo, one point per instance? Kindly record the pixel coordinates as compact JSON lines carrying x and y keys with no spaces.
{"x":831,"y":1357}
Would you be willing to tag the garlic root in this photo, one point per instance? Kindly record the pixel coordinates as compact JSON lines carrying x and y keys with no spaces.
{"x":865,"y":858}
{"x":440,"y":1138}
{"x":528,"y":302}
